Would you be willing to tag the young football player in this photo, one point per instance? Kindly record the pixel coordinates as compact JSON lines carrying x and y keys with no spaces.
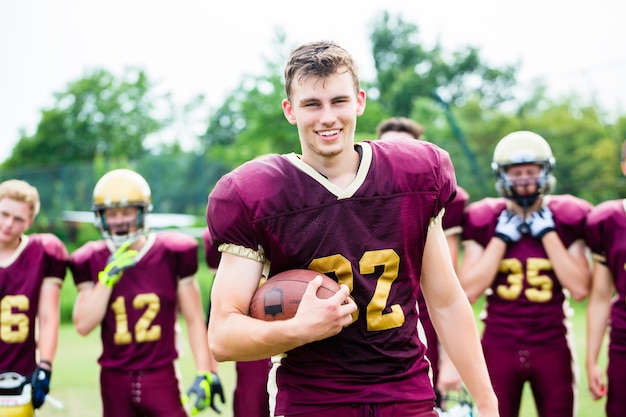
{"x":605,"y":231}
{"x":133,"y":284}
{"x":525,"y":250}
{"x":367,"y":214}
{"x":32,"y":270}
{"x":452,"y":226}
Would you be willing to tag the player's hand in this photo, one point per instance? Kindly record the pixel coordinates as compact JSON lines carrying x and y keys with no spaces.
{"x":597,"y":388}
{"x":216,"y":390}
{"x":541,"y":222}
{"x":40,"y":383}
{"x":199,"y":394}
{"x":508,"y":227}
{"x":120,"y":260}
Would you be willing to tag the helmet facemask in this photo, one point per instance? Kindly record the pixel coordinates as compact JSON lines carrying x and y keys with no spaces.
{"x":122,"y":188}
{"x":517,"y":148}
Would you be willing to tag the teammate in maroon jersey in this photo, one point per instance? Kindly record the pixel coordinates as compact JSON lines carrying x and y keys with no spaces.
{"x":368,"y":215}
{"x":606,"y":227}
{"x":526,"y":251}
{"x":250,"y":397}
{"x":445,"y":376}
{"x":32,"y":270}
{"x":133,"y":284}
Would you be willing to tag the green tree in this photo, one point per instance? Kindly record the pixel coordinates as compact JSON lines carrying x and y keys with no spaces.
{"x":407,"y":70}
{"x":98,"y":115}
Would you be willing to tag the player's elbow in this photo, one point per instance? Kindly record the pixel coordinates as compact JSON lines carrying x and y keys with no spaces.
{"x":219,"y":353}
{"x":580,"y":293}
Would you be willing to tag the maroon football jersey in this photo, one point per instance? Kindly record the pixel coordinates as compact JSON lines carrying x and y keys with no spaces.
{"x":39,"y":256}
{"x":526,"y":304}
{"x":606,"y":228}
{"x":367,"y":236}
{"x":138,"y":329}
{"x":211,"y":255}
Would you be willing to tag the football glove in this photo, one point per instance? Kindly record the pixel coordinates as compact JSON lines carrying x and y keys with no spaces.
{"x":541,"y":222}
{"x":508,"y":227}
{"x":40,"y":384}
{"x":216,"y":389}
{"x":201,"y":390}
{"x":120,"y":260}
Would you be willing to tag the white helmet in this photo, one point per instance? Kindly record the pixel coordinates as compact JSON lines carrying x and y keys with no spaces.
{"x":523,"y":147}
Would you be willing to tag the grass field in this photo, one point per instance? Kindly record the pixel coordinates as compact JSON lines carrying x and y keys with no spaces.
{"x":76,"y":373}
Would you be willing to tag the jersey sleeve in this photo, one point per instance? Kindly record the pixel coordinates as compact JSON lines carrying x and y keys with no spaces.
{"x":453,"y":218}
{"x":56,"y":256}
{"x":211,"y":255}
{"x":480,"y":219}
{"x":185,"y":249}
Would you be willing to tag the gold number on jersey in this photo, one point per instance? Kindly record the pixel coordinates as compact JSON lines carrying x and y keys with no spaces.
{"x":14,"y":325}
{"x":144,"y":332}
{"x":389,"y":261}
{"x":540,"y":290}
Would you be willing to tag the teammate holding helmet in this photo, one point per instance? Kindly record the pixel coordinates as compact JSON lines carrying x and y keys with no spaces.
{"x":32,"y":269}
{"x":132,"y":284}
{"x":525,"y":250}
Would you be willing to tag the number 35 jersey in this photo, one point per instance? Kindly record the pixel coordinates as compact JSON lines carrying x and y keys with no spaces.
{"x":526,"y":304}
{"x":138,"y":329}
{"x":369,"y":236}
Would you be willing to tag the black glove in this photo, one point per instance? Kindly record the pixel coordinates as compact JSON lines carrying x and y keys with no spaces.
{"x":40,"y":383}
{"x":216,"y":389}
{"x":541,"y":222}
{"x":508,"y":227}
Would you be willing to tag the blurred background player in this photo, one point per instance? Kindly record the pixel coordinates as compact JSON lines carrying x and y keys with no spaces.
{"x":32,"y":270}
{"x":526,"y":251}
{"x":250,"y":397}
{"x":606,"y":229}
{"x":132,"y":284}
{"x":445,"y":376}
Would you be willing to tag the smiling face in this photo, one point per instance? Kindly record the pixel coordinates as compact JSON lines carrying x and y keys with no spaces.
{"x":325,"y":110}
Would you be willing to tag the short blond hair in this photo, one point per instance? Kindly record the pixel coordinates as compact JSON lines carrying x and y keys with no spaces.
{"x":23,"y":192}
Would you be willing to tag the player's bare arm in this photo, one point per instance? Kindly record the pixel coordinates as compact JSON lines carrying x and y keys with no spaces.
{"x":453,"y":319}
{"x":598,"y":314}
{"x":570,"y":264}
{"x":480,"y":266}
{"x":233,"y":335}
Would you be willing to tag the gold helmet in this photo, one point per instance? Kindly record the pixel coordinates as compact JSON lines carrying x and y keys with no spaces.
{"x":523,"y":147}
{"x":121,"y":188}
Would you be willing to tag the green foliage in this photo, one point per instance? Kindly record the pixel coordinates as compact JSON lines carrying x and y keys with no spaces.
{"x":98,"y":115}
{"x":406,"y":70}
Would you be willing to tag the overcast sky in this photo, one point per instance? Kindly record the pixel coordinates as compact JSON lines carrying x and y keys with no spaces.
{"x":192,"y":46}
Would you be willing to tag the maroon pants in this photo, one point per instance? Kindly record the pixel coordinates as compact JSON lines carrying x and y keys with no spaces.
{"x":414,"y":409}
{"x":549,"y":372}
{"x":153,"y":393}
{"x":250,"y":398}
{"x":616,"y":394}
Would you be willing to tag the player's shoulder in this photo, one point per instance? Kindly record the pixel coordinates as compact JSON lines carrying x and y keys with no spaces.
{"x":568,"y":208}
{"x":401,"y":149}
{"x":606,"y":210}
{"x":88,"y":249}
{"x":50,"y":243}
{"x":486,"y":207}
{"x":175,"y":240}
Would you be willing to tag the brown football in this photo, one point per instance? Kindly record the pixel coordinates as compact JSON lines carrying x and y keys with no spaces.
{"x":279,"y":297}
